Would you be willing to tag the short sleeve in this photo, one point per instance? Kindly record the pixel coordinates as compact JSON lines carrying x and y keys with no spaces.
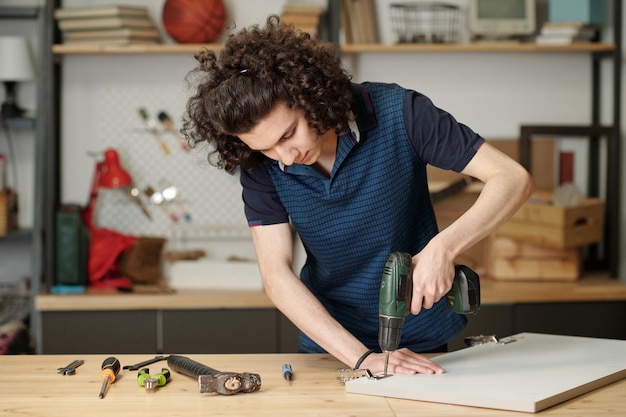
{"x":436,"y":136}
{"x":262,"y":205}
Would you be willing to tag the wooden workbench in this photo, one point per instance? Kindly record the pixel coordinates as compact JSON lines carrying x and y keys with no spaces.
{"x":591,"y":288}
{"x":31,"y":386}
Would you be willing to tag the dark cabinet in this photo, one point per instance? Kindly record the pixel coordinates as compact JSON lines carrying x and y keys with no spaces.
{"x":106,"y":332}
{"x":261,"y":330}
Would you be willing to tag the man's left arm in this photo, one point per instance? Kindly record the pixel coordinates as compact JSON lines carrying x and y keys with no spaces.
{"x":507,"y":185}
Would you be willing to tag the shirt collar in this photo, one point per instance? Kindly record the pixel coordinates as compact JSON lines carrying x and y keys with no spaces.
{"x":365,"y":118}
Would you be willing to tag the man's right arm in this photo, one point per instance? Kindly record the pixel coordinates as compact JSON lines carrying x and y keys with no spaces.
{"x":274,"y":250}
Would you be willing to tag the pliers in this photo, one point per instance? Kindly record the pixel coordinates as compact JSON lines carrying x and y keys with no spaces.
{"x":151,"y":382}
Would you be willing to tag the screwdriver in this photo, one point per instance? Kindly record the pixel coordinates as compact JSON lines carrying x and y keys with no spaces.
{"x":110,"y":368}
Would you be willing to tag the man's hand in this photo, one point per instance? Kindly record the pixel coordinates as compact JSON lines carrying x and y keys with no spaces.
{"x":433,"y":273}
{"x":401,"y":361}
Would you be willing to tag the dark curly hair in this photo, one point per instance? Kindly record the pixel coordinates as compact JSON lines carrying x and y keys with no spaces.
{"x":258,"y":68}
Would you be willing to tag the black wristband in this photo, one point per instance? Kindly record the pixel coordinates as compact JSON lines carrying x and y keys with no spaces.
{"x":362,"y":358}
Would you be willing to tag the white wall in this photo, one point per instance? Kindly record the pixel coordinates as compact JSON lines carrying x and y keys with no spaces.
{"x":491,"y":92}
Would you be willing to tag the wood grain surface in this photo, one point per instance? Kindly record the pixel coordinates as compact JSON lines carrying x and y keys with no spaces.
{"x":31,"y":386}
{"x":591,"y":288}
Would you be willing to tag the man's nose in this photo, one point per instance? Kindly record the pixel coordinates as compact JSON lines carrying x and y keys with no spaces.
{"x":287,"y":154}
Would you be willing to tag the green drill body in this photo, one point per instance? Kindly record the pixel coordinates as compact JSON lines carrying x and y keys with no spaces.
{"x":396,"y":292}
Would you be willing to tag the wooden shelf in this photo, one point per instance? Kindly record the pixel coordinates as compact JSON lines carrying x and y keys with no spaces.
{"x":478,"y":47}
{"x":78,"y":49}
{"x":84,"y":49}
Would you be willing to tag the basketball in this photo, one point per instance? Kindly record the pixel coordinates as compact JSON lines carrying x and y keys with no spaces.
{"x":194,"y":21}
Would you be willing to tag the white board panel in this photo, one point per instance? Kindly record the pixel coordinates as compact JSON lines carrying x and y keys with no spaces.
{"x":533,"y":373}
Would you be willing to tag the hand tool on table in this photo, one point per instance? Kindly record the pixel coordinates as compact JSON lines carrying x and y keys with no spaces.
{"x":396,"y":293}
{"x":348,"y":374}
{"x":110,"y":368}
{"x":151,"y":127}
{"x":71,"y":368}
{"x":212,"y":380}
{"x":140,"y":365}
{"x":168,"y":124}
{"x":287,"y":372}
{"x":151,"y":382}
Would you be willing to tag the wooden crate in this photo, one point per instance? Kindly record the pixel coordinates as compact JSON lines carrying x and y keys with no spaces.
{"x":514,"y":260}
{"x":557,"y":227}
{"x":8,"y":211}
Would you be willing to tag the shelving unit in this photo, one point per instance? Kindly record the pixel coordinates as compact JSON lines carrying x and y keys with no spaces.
{"x":27,"y":239}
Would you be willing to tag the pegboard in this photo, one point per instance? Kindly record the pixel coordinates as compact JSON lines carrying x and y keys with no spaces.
{"x":209,"y":197}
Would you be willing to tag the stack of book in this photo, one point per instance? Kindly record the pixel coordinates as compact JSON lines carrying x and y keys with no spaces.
{"x":565,"y":33}
{"x":358,"y":21}
{"x":118,"y":25}
{"x":303,"y":16}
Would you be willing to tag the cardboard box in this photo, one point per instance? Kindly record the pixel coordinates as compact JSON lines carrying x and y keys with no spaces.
{"x":514,"y":260}
{"x":557,"y":227}
{"x":8,"y":211}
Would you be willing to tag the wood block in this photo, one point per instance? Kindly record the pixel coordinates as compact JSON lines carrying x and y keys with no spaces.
{"x":8,"y":211}
{"x":517,"y":260}
{"x":557,"y":227}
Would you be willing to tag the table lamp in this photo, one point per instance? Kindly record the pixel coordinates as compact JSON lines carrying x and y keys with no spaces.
{"x":109,"y":173}
{"x":15,"y":65}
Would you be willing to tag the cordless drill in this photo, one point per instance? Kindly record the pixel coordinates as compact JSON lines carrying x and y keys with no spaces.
{"x":396,"y":291}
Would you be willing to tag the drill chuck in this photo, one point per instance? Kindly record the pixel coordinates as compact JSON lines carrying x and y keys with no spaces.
{"x":389,"y":332}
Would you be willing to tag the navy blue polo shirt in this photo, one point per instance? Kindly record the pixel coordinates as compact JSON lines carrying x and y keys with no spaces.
{"x":375,"y":202}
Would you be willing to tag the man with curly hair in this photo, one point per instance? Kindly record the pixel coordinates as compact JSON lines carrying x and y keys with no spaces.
{"x":344,"y":164}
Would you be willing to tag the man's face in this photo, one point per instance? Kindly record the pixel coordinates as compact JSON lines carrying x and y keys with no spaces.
{"x":284,"y":135}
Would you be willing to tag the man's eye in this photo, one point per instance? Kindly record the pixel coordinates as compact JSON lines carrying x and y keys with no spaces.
{"x":288,"y":135}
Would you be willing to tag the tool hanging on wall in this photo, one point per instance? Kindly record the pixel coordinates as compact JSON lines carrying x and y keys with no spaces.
{"x":168,"y":125}
{"x":157,"y":198}
{"x":151,"y":127}
{"x":171,"y":194}
{"x":167,"y":196}
{"x":212,"y":380}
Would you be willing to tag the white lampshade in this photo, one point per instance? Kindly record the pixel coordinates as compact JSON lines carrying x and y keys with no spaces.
{"x":15,"y":59}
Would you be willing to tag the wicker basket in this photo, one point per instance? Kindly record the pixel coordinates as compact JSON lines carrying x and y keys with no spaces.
{"x":426,"y":22}
{"x":15,"y":301}
{"x":142,"y":262}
